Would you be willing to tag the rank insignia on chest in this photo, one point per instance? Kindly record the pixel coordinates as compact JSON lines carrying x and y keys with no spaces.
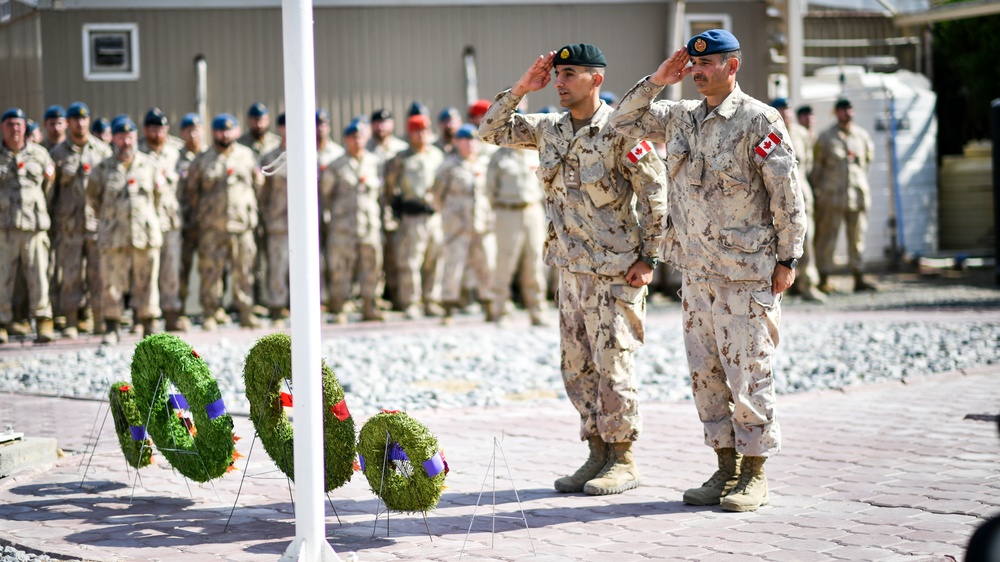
{"x":767,"y":145}
{"x":640,"y":150}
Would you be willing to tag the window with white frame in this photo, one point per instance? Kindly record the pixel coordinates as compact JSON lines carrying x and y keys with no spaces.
{"x":110,"y":51}
{"x":6,"y":10}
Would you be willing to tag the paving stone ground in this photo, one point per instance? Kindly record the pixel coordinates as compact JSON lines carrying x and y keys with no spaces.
{"x":881,"y":472}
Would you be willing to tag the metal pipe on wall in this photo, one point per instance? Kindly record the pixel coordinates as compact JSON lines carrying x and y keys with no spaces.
{"x":201,"y":88}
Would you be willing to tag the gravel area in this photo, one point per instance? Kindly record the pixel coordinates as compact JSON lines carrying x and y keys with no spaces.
{"x":843,"y":342}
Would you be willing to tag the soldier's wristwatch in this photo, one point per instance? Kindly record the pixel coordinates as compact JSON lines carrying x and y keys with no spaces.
{"x":790,"y":264}
{"x":651,"y":261}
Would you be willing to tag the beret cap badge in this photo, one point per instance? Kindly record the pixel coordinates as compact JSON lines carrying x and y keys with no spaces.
{"x":564,"y":54}
{"x":700,"y":45}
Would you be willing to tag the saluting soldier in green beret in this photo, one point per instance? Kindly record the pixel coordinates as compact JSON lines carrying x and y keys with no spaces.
{"x":606,"y":198}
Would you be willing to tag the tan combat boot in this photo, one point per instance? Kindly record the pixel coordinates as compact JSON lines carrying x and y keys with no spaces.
{"x":370,"y":311}
{"x":751,"y":491}
{"x":221,"y":316}
{"x":491,"y":311}
{"x":447,"y":317}
{"x":720,"y":483}
{"x":85,"y":320}
{"x":209,"y":324}
{"x":46,"y":330}
{"x":148,"y":326}
{"x":72,"y":322}
{"x":591,"y":467}
{"x":824,"y":284}
{"x":619,"y":474}
{"x":248,"y":320}
{"x":20,"y":327}
{"x":278,"y":317}
{"x":111,"y":335}
{"x":861,"y":285}
{"x":3,"y":333}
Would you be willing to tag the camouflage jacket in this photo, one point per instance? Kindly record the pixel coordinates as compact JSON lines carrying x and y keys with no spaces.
{"x":126,"y":202}
{"x":802,"y":143}
{"x":223,"y":189}
{"x":613,"y":209}
{"x":460,"y":195}
{"x":167,"y":159}
{"x":511,"y":177}
{"x":260,"y":147}
{"x":410,"y":175}
{"x":351,"y":191}
{"x":273,"y":196}
{"x":735,"y":206}
{"x":25,"y":188}
{"x":74,"y":164}
{"x":840,"y":172}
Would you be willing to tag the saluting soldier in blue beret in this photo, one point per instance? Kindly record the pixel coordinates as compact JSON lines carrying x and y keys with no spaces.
{"x":606,"y":198}
{"x":738,"y":224}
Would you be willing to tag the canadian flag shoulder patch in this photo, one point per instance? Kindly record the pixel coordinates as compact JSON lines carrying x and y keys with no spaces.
{"x":640,"y":150}
{"x":766,"y":146}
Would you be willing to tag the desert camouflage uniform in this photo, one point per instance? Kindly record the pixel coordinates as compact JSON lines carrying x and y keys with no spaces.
{"x":807,"y":277}
{"x":410,"y":176}
{"x":352,"y":191}
{"x":840,"y":183}
{"x":389,"y":282}
{"x":171,"y":224}
{"x":733,"y":215}
{"x":25,"y":194}
{"x":189,"y":223}
{"x":223,"y":189}
{"x":513,"y":187}
{"x":126,"y":202}
{"x":262,"y":146}
{"x":324,"y":157}
{"x":273,"y":203}
{"x":467,"y":224}
{"x":75,"y":226}
{"x":605,"y":211}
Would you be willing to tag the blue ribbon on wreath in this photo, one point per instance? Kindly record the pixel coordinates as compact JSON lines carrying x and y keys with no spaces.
{"x":138,"y":432}
{"x":434,"y":465}
{"x":216,"y":409}
{"x":177,"y":402}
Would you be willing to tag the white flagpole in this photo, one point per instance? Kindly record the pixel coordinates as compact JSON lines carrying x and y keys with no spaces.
{"x":303,"y":239}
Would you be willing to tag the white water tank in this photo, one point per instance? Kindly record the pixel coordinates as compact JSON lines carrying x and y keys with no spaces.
{"x":916,"y":152}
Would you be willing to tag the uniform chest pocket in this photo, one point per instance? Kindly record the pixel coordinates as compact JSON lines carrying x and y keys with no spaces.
{"x":548,"y":163}
{"x":596,"y":184}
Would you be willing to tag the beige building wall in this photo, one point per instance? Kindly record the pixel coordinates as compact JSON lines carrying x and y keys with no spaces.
{"x":21,"y":61}
{"x":366,"y":57}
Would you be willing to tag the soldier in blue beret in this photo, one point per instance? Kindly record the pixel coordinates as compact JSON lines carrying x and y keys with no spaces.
{"x":32,"y":131}
{"x":258,"y":137}
{"x":101,"y":128}
{"x":779,"y":103}
{"x":78,"y":110}
{"x":739,"y":225}
{"x":122,"y":124}
{"x":449,"y":120}
{"x":54,"y":123}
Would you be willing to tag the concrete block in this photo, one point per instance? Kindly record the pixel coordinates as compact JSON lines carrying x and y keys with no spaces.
{"x":25,"y":454}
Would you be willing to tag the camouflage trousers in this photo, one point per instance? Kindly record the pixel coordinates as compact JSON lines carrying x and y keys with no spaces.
{"x":600,"y":326}
{"x":828,"y":223}
{"x":216,"y":250}
{"x":807,"y":276}
{"x":189,"y":247}
{"x":79,"y":261}
{"x":31,"y":251}
{"x":419,"y":241}
{"x":476,"y":251}
{"x":520,"y":237}
{"x":170,"y":271}
{"x":350,"y":259}
{"x":277,"y":269}
{"x":135,"y":271}
{"x":730,"y":333}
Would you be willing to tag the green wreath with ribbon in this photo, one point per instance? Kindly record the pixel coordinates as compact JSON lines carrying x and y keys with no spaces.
{"x":400,"y":458}
{"x":267,"y":367}
{"x":130,"y":426}
{"x":203,"y":448}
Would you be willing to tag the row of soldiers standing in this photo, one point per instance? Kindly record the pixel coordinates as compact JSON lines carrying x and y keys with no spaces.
{"x":129,"y":217}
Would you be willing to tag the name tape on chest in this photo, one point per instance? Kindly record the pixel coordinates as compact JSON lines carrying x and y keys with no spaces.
{"x":766,"y":146}
{"x":640,"y":150}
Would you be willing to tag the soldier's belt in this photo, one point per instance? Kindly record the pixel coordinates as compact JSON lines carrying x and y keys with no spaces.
{"x":512,"y":206}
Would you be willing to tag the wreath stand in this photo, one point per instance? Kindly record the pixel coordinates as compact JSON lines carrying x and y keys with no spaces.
{"x":271,"y":383}
{"x":378,"y":504}
{"x":492,"y":468}
{"x":93,"y":440}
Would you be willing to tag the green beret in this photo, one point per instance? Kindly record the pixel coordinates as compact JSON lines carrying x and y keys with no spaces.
{"x":580,"y":54}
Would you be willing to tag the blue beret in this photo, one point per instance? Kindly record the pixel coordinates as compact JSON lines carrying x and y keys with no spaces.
{"x":257,"y":110}
{"x":779,"y":103}
{"x":281,"y":120}
{"x":448,"y":113}
{"x":155,"y":117}
{"x":224,"y":122}
{"x":12,"y":113}
{"x":322,"y":116}
{"x":190,"y":120}
{"x":78,"y":109}
{"x":467,"y":131}
{"x":580,"y":54}
{"x":122,"y":124}
{"x":356,"y":124}
{"x":417,"y":108}
{"x":55,"y":112}
{"x":99,"y":125}
{"x":711,"y":42}
{"x":30,"y":126}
